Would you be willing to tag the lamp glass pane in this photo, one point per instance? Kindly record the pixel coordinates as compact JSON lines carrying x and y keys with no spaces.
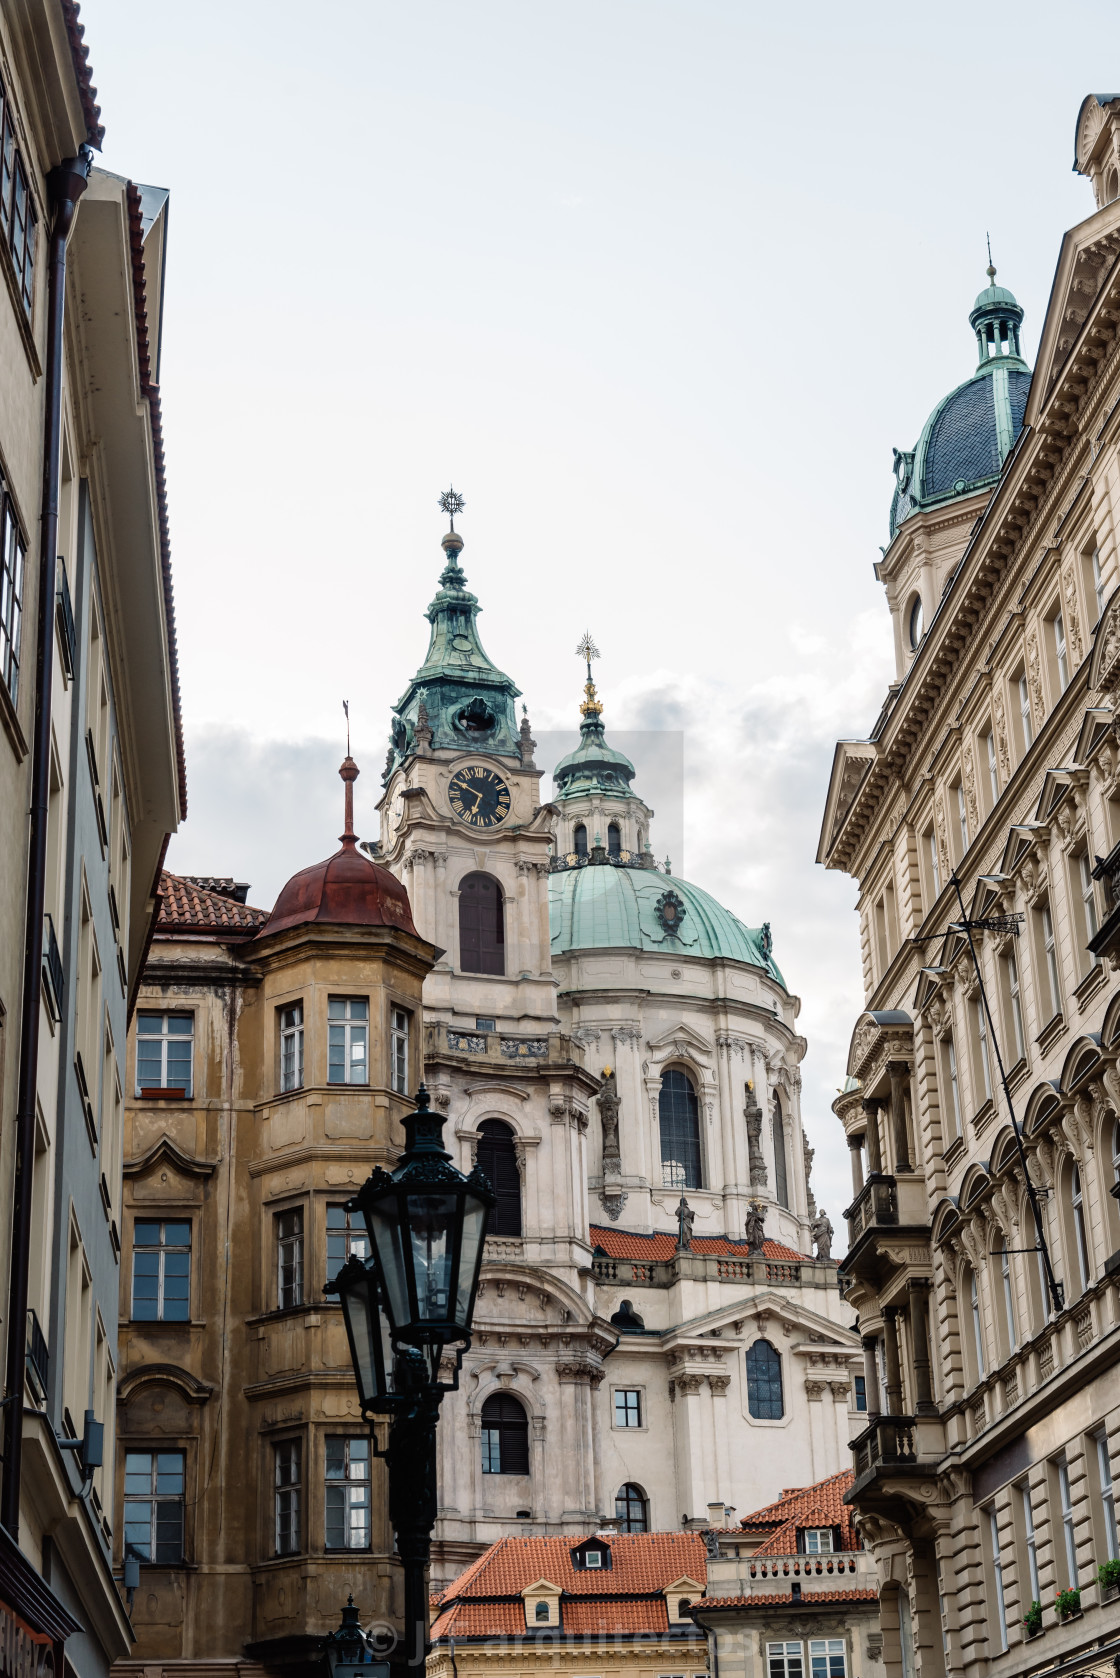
{"x":355,"y":1294}
{"x":394,"y":1262}
{"x":470,"y":1257}
{"x":431,"y":1224}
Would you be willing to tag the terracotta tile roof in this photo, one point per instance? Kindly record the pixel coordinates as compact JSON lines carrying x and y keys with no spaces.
{"x":599,"y":1616}
{"x":79,"y":55}
{"x":480,"y":1619}
{"x":819,"y":1505}
{"x":150,"y":392}
{"x":629,"y":1244}
{"x":186,"y":907}
{"x":779,"y":1597}
{"x":641,"y":1561}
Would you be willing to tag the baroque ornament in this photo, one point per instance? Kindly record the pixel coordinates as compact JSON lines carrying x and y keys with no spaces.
{"x":670,"y":911}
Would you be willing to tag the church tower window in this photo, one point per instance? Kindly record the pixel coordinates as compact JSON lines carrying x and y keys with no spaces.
{"x":505,"y":1436}
{"x":781,"y":1176}
{"x":482,"y":942}
{"x":679,"y":1115}
{"x":764,"y":1383}
{"x":497,"y":1157}
{"x":614,"y":840}
{"x":579,"y":838}
{"x":631,"y":1508}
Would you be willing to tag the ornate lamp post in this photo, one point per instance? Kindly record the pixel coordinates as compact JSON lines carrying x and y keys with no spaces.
{"x":403,"y":1308}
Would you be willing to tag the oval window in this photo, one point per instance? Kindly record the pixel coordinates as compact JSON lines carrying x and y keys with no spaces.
{"x":916,"y":622}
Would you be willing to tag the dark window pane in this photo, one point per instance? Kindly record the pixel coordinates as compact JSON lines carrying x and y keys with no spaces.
{"x":497,"y":1157}
{"x":781,"y":1180}
{"x":614,"y":840}
{"x":631,"y":1509}
{"x":764,"y":1382}
{"x":505,"y":1436}
{"x":679,"y":1115}
{"x":481,"y":925}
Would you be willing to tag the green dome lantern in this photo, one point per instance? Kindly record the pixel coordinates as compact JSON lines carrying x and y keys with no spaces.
{"x":970,"y":433}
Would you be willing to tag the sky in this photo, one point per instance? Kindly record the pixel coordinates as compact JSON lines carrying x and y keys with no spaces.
{"x":657,"y":284}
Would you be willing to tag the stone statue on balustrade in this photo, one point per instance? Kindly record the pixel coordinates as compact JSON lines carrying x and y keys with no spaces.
{"x":822,"y":1232}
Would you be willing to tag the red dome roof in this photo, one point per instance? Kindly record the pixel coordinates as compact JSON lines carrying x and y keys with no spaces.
{"x":346,"y":890}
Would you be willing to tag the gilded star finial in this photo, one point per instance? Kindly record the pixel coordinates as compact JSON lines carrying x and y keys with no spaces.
{"x":587,"y":650}
{"x":452,"y":502}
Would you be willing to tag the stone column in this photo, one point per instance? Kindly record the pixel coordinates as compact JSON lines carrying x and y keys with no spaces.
{"x":891,"y":1315}
{"x":899,"y":1073}
{"x":919,"y":1334}
{"x":871,"y":1377}
{"x":719,"y":1385}
{"x":855,"y":1143}
{"x":874,"y":1151}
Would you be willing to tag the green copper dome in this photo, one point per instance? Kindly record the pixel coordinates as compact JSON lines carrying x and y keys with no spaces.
{"x":970,"y":433}
{"x":594,"y":766}
{"x":607,"y":908}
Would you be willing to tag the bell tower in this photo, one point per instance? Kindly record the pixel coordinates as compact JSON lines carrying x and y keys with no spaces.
{"x":463,"y":825}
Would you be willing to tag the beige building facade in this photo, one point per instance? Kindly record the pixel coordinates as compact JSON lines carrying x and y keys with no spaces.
{"x":90,"y":745}
{"x":271,"y":1061}
{"x":983,"y":808}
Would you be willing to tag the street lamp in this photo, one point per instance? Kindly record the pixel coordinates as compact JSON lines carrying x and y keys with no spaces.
{"x":403,"y":1308}
{"x":350,"y":1653}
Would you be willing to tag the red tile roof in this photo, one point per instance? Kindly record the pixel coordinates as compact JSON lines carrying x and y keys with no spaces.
{"x":819,"y":1505}
{"x":640,"y":1561}
{"x":629,"y":1244}
{"x":150,"y":392}
{"x":188,"y":908}
{"x":777,"y":1598}
{"x":79,"y":57}
{"x":486,"y":1601}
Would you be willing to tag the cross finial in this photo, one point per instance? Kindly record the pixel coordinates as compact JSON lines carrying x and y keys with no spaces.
{"x":587,"y":650}
{"x":452,"y":502}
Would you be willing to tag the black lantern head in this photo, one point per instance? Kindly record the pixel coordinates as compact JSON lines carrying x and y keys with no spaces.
{"x":386,"y":1375}
{"x":350,"y":1654}
{"x":427,"y":1223}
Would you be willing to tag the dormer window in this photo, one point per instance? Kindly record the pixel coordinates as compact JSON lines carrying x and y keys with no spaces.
{"x":818,"y":1541}
{"x":541,"y":1614}
{"x":592,"y":1553}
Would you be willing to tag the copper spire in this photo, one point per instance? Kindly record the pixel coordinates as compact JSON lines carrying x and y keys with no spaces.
{"x":349,"y":773}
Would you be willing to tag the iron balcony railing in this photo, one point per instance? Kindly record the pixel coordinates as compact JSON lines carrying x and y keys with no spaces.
{"x":875,"y":1204}
{"x":52,"y":961}
{"x":38,"y":1356}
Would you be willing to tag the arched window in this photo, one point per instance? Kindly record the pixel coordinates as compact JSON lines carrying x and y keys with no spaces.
{"x":1009,"y":1330}
{"x":764,"y":1382}
{"x":977,"y":1330}
{"x":1080,"y":1232}
{"x":781,"y":1177}
{"x":540,"y":1613}
{"x":1111,"y":186}
{"x":482,"y":938}
{"x":580,"y":839}
{"x":614,"y":839}
{"x":679,"y":1113}
{"x":631,"y":1508}
{"x":505,"y":1436}
{"x":497,"y":1157}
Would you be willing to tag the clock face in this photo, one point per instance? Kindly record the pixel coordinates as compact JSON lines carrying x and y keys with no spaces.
{"x":479,"y":796}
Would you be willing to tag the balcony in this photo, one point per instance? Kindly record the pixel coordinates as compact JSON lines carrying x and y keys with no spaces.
{"x":875,"y":1206}
{"x":897,"y":1445}
{"x":734,"y":1573}
{"x":888,"y":1204}
{"x":498,"y":1048}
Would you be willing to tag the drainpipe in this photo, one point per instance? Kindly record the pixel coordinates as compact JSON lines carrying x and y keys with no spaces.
{"x":65,"y":186}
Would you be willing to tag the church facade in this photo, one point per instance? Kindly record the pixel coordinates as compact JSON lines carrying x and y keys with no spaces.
{"x":620,"y":1053}
{"x":656,"y":1341}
